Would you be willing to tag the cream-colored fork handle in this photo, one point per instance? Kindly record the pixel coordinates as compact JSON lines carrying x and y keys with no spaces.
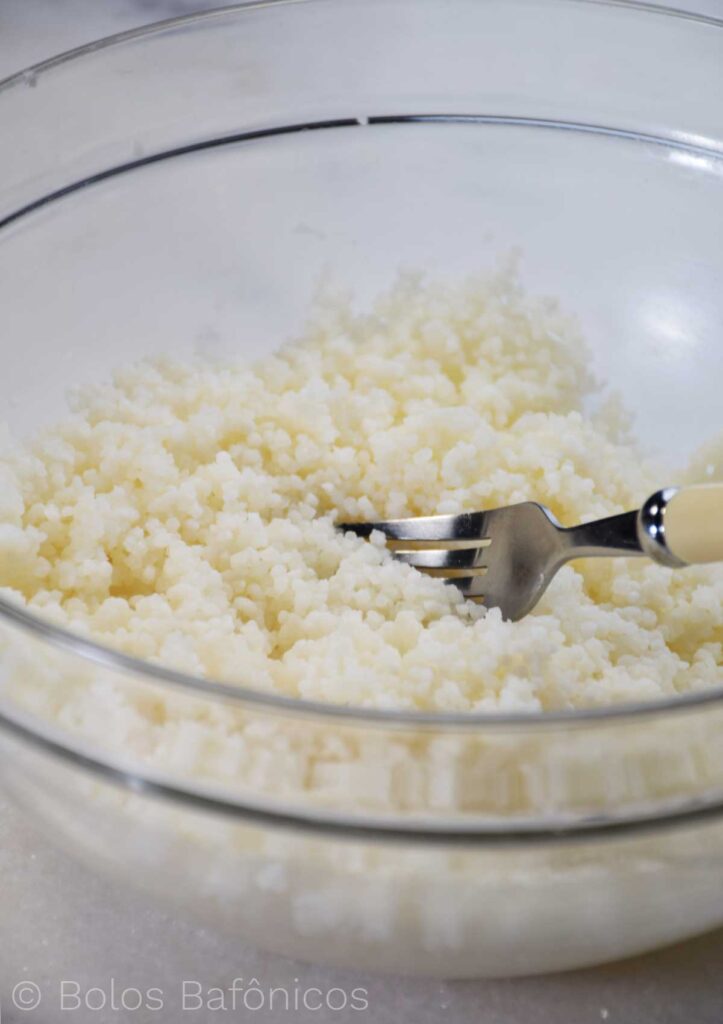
{"x":694,"y":524}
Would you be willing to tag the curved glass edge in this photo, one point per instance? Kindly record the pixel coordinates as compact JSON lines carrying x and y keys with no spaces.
{"x":184,"y":20}
{"x":236,"y":694}
{"x":412,"y":831}
{"x":709,"y":150}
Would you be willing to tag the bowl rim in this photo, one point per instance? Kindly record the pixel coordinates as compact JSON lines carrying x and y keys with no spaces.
{"x":243,"y":6}
{"x":358,"y":715}
{"x":16,"y":616}
{"x":211,"y":798}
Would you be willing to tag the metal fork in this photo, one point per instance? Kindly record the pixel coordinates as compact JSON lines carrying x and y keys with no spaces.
{"x":506,"y":557}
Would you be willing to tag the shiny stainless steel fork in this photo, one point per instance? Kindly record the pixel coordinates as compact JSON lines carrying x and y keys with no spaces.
{"x":506,"y":557}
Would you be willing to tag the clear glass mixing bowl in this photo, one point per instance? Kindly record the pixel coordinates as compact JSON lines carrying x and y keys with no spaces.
{"x":184,"y":187}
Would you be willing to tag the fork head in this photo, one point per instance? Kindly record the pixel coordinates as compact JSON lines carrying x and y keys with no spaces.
{"x":504,"y":558}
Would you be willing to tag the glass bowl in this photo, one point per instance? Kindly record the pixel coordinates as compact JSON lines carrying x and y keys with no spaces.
{"x":182,"y":188}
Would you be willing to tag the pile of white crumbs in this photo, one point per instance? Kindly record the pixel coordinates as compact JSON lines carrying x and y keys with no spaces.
{"x":185,"y":514}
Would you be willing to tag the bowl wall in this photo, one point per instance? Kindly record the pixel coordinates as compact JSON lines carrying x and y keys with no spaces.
{"x":160,"y":197}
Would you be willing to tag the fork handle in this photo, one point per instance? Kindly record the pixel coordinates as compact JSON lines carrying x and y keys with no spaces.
{"x":683,"y":525}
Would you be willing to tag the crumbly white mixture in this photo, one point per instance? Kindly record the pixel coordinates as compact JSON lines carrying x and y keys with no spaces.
{"x":185,"y":514}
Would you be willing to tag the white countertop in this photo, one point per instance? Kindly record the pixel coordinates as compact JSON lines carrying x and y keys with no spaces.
{"x":58,"y":922}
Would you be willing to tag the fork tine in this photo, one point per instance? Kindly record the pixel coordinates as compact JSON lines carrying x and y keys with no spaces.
{"x":452,"y":562}
{"x":472,"y":587}
{"x":465,"y":527}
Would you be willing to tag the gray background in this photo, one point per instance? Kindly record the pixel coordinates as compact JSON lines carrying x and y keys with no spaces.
{"x":57,"y":922}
